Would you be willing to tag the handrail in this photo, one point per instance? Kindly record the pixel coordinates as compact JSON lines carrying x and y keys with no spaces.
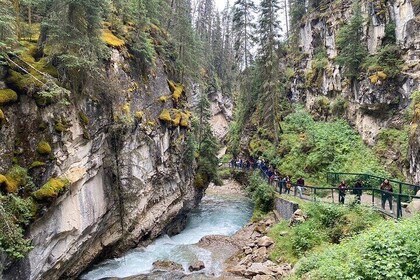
{"x":334,"y":178}
{"x":398,"y":197}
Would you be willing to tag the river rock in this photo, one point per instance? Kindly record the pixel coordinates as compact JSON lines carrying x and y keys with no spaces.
{"x":198,"y":265}
{"x":247,"y":250}
{"x":261,"y":228}
{"x":265,"y":241}
{"x":258,"y":268}
{"x":261,"y":252}
{"x":263,"y":277}
{"x":297,"y":218}
{"x":237,"y":269}
{"x":167,"y":265}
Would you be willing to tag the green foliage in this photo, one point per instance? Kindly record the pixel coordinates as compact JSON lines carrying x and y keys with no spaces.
{"x":8,"y":34}
{"x":327,"y":224}
{"x":15,"y":212}
{"x":262,"y":193}
{"x":297,"y":11}
{"x":320,"y":60}
{"x":352,"y":52}
{"x":387,"y":251}
{"x":393,"y":142}
{"x":338,"y":107}
{"x":310,"y":149}
{"x":388,"y":59}
{"x":36,"y":164}
{"x":390,"y":37}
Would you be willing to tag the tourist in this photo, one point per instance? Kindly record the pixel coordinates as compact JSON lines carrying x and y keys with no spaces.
{"x":386,"y":194}
{"x":300,"y":183}
{"x":357,"y":190}
{"x":288,"y":184}
{"x":342,"y":188}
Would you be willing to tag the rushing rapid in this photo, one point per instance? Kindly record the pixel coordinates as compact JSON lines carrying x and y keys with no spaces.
{"x":222,"y":215}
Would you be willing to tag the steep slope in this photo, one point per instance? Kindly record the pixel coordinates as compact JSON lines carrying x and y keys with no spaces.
{"x":124,"y":161}
{"x":377,"y":100}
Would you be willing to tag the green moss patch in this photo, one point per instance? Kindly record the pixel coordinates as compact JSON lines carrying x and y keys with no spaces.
{"x":44,"y":148}
{"x":111,"y":40}
{"x":51,"y":189}
{"x":176,"y":89}
{"x":84,"y":119}
{"x":165,"y":116}
{"x":139,"y":115}
{"x":15,"y":178}
{"x":36,"y":164}
{"x":7,"y":96}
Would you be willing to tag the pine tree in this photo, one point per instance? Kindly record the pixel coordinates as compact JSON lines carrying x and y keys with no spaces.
{"x":142,"y":44}
{"x":297,"y":11}
{"x":74,"y":29}
{"x":269,"y":30}
{"x":243,"y":28}
{"x":349,"y":41}
{"x":8,"y":35}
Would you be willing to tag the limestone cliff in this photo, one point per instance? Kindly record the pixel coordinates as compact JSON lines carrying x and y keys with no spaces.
{"x":129,"y":180}
{"x":371,"y":103}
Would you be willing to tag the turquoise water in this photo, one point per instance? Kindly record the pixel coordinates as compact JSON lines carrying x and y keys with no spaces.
{"x":223,"y":215}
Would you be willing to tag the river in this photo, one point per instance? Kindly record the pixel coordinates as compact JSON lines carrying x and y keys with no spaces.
{"x":217,"y":214}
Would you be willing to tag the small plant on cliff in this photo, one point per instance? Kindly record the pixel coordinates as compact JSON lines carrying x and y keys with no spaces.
{"x":262,"y":193}
{"x":15,"y":213}
{"x":352,"y":51}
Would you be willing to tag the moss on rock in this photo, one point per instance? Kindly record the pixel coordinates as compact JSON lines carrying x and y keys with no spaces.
{"x":7,"y":96}
{"x":165,"y":116}
{"x":83,"y":118}
{"x":15,"y":178}
{"x":51,"y":189}
{"x":36,"y":164}
{"x":111,"y":40}
{"x":60,"y":127}
{"x":176,"y":89}
{"x":44,"y":148}
{"x":139,"y":115}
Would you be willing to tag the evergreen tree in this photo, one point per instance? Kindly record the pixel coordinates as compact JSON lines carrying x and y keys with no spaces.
{"x":243,"y":28}
{"x":297,"y":11}
{"x":8,"y":35}
{"x":269,"y":30}
{"x":142,"y":44}
{"x":349,"y":42}
{"x":74,"y":29}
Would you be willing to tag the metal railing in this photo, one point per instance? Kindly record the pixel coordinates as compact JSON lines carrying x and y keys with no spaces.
{"x":372,"y":196}
{"x":372,"y":181}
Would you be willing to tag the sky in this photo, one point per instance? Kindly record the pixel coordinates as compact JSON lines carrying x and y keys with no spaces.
{"x":220,"y":4}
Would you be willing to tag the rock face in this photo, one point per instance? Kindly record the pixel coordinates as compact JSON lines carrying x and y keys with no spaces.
{"x":369,"y":106}
{"x":129,"y":180}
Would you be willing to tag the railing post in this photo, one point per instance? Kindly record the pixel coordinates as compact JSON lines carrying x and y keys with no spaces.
{"x":399,"y":212}
{"x":332,"y":195}
{"x":314,"y":194}
{"x":373,"y":197}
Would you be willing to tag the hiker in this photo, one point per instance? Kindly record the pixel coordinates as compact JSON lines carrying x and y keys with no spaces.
{"x":300,"y":183}
{"x":357,"y":190}
{"x":387,"y":195}
{"x":288,"y":184}
{"x":342,"y":188}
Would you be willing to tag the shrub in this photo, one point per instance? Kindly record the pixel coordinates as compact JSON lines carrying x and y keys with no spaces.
{"x":387,"y":251}
{"x":44,"y":148}
{"x":262,"y":193}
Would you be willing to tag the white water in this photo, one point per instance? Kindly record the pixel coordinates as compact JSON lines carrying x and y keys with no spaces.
{"x":222,"y":215}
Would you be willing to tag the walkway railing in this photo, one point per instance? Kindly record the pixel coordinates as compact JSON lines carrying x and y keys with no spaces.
{"x":372,"y":181}
{"x":373,"y":196}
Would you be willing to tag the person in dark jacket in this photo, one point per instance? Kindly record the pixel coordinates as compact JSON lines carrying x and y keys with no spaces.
{"x":300,"y":184}
{"x":357,"y":190}
{"x":342,"y":188}
{"x":386,"y":194}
